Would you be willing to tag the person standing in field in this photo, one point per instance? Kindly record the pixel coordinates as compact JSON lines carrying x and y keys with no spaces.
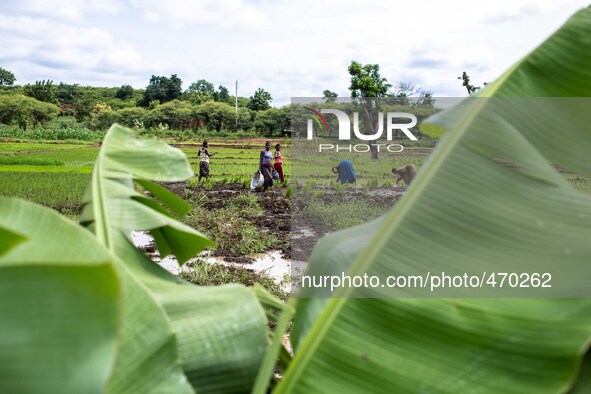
{"x":278,"y":164}
{"x":204,"y":161}
{"x":266,"y":165}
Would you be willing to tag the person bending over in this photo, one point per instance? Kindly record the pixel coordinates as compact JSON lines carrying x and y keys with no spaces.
{"x":345,"y":172}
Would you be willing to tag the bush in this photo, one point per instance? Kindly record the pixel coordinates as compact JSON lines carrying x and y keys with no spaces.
{"x":175,"y":114}
{"x":216,"y":116}
{"x":130,"y":117}
{"x":25,"y":111}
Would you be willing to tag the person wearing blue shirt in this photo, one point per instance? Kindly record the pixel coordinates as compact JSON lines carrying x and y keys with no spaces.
{"x":345,"y":172}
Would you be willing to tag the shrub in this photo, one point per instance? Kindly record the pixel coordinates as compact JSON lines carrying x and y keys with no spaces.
{"x":25,"y":111}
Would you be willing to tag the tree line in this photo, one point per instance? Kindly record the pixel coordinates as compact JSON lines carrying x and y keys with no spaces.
{"x":163,"y":104}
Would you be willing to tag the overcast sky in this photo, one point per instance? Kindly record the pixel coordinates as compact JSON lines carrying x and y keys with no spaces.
{"x":291,"y":49}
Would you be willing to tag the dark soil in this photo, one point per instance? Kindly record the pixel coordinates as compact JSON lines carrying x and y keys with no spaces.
{"x":277,"y":218}
{"x":284,"y":217}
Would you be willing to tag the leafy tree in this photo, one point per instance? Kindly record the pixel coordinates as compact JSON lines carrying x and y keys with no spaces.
{"x":7,"y":78}
{"x":25,"y":111}
{"x":243,"y":102}
{"x":245,"y":119}
{"x":222,"y":95}
{"x":216,"y":116}
{"x":329,"y":96}
{"x":162,"y":89}
{"x":66,"y":93}
{"x":199,"y":92}
{"x":271,"y":120}
{"x":426,"y":99}
{"x":84,"y":105}
{"x":131,"y":117}
{"x":174,"y":114}
{"x":42,"y":91}
{"x":128,"y":318}
{"x":125,"y":92}
{"x":366,"y":81}
{"x":367,"y":87}
{"x":260,"y":101}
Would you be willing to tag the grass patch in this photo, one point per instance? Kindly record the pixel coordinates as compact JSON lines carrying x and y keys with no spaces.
{"x":31,"y":161}
{"x":20,"y":147}
{"x":60,"y":191}
{"x":230,"y":224}
{"x":339,"y":215}
{"x":204,"y":274}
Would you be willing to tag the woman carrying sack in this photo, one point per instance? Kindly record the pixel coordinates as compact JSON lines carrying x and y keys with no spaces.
{"x":266,"y":165}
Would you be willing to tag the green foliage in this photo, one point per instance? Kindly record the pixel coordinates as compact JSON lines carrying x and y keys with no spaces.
{"x":374,"y":182}
{"x":272,"y":120}
{"x":344,"y":214}
{"x":67,"y":94}
{"x":84,"y":105}
{"x":222,"y":95}
{"x":245,"y":119}
{"x":175,"y":114}
{"x":200,"y":92}
{"x":215,"y":274}
{"x":25,"y":111}
{"x":260,"y":101}
{"x":60,"y":304}
{"x":289,"y":192}
{"x":125,"y":92}
{"x":366,"y":81}
{"x":136,"y":328}
{"x":56,"y":190}
{"x":130,"y":117}
{"x":466,"y":83}
{"x":43,"y":90}
{"x":230,"y":227}
{"x":462,"y":206}
{"x":161,"y":89}
{"x":216,"y":116}
{"x":329,"y":96}
{"x":181,"y":316}
{"x":7,"y":78}
{"x":49,"y":132}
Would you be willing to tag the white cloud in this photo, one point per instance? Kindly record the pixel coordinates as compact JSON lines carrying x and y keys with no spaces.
{"x":60,"y":9}
{"x":64,"y":50}
{"x":288,"y":48}
{"x":179,"y":13}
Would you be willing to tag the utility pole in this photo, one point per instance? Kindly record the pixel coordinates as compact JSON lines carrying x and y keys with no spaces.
{"x":236,"y":106}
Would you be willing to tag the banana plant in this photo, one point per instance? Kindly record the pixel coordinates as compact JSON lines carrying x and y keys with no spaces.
{"x":93,"y":314}
{"x":491,"y":197}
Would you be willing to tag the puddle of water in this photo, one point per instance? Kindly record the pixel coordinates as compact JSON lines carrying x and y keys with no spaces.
{"x":270,"y":263}
{"x":303,"y":232}
{"x":141,"y":239}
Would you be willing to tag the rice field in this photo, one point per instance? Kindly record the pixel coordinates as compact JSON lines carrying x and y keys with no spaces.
{"x":56,"y":175}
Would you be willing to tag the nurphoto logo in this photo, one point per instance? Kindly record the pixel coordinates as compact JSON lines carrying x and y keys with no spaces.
{"x":344,"y":130}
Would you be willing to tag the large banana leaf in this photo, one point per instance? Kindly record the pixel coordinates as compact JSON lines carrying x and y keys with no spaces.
{"x":221,"y":330}
{"x":112,"y":208}
{"x":9,"y":239}
{"x":489,"y":198}
{"x":59,"y":304}
{"x":217,"y":334}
